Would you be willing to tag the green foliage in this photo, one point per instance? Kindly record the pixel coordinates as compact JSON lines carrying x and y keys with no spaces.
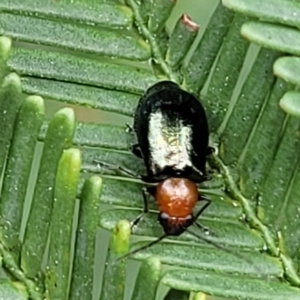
{"x":95,"y":54}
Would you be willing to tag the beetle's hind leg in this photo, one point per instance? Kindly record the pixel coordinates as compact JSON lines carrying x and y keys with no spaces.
{"x":146,"y":191}
{"x":129,"y":128}
{"x":112,"y":167}
{"x":136,"y":150}
{"x":205,"y":229}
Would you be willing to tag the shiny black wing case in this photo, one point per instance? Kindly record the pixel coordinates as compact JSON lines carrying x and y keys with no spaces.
{"x":174,"y":101}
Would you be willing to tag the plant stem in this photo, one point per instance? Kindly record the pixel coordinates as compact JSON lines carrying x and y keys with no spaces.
{"x":151,"y":39}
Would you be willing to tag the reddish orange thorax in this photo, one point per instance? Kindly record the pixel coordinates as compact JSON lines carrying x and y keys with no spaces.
{"x":176,"y":197}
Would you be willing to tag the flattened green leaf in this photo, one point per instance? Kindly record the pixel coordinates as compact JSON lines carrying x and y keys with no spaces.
{"x":26,"y":129}
{"x":114,"y":276}
{"x":198,"y":68}
{"x":230,"y":286}
{"x":181,"y":39}
{"x":120,"y":102}
{"x":59,"y":137}
{"x":5,"y":46}
{"x":83,"y":267}
{"x":148,"y":279}
{"x":274,"y":192}
{"x":209,"y":258}
{"x":89,"y":39}
{"x":84,"y":11}
{"x":276,"y":37}
{"x":290,"y":103}
{"x":285,"y":12}
{"x":10,"y":101}
{"x":65,"y":67}
{"x":255,"y":164}
{"x":288,"y":220}
{"x":223,"y":232}
{"x":59,"y":257}
{"x":248,"y":106}
{"x":226,"y":73}
{"x":288,"y":68}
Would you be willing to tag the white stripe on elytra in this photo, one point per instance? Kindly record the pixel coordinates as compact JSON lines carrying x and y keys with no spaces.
{"x":169,"y":145}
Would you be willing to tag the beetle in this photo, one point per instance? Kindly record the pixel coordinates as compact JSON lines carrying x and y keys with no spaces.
{"x":172,"y":138}
{"x":172,"y":134}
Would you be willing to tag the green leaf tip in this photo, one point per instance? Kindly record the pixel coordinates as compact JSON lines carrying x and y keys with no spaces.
{"x":36,"y":101}
{"x":113,"y":285}
{"x":200,"y":296}
{"x":94,"y":182}
{"x":68,"y":173}
{"x":69,"y":165}
{"x":148,"y":279}
{"x":272,"y":36}
{"x":66,"y":111}
{"x":275,"y":11}
{"x":288,"y":68}
{"x":127,"y":11}
{"x":12,"y":79}
{"x":153,"y":262}
{"x":62,"y":125}
{"x":151,"y":267}
{"x":181,"y":39}
{"x":290,"y":103}
{"x":120,"y":239}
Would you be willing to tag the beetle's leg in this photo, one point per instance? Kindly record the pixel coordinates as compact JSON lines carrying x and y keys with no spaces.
{"x":200,"y":212}
{"x":198,"y":177}
{"x":145,"y":193}
{"x":201,"y":197}
{"x":136,"y":150}
{"x":112,"y":167}
{"x":129,"y":128}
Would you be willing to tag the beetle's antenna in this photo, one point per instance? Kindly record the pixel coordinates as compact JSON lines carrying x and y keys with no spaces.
{"x":143,"y":247}
{"x":218,"y":246}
